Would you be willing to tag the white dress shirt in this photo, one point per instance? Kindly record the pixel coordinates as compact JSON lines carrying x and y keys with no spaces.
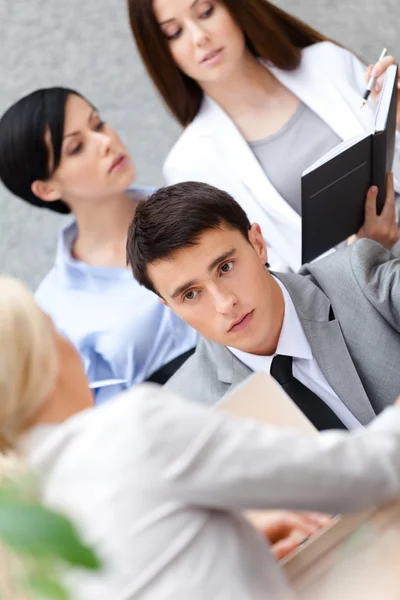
{"x":293,"y":342}
{"x":121,"y":330}
{"x":156,"y":484}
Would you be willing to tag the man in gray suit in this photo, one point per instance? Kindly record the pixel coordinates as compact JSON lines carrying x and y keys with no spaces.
{"x":329,"y":336}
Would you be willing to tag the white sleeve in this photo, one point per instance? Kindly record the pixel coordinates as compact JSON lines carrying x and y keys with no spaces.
{"x":205,"y":458}
{"x":194,"y":160}
{"x":353,"y":68}
{"x":359,"y":69}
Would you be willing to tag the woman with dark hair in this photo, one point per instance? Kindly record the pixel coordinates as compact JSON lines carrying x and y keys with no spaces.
{"x":261,"y":96}
{"x":57,"y":153}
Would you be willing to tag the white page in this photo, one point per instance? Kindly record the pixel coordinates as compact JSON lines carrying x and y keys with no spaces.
{"x":335,"y":152}
{"x":261,"y":398}
{"x":381,"y":116}
{"x":384,"y":99}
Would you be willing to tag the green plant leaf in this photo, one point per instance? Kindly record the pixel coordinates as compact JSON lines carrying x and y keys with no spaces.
{"x":38,"y":531}
{"x":47,"y":588}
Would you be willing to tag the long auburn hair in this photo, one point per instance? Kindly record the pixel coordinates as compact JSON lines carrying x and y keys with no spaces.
{"x":271,"y":34}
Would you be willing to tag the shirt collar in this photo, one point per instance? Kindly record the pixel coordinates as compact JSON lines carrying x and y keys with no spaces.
{"x":292,"y":340}
{"x":70,"y":267}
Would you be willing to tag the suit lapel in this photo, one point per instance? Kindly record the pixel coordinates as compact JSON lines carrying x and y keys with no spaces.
{"x":230,"y":370}
{"x":237,"y":152}
{"x":250,"y":186}
{"x":328,"y":345}
{"x":330,"y":350}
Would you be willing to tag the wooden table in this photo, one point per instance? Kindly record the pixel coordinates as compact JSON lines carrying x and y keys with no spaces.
{"x":358,"y":558}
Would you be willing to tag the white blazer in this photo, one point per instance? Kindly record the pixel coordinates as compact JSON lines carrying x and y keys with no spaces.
{"x":330,"y":80}
{"x":156,"y":484}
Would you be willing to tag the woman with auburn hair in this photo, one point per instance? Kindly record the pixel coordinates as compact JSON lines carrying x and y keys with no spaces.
{"x":155,"y":484}
{"x":57,"y":153}
{"x":261,"y":96}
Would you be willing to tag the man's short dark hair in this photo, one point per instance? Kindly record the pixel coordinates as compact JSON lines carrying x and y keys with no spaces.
{"x":174,"y":217}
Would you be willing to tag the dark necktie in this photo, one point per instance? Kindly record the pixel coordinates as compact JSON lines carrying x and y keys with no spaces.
{"x":315,"y":409}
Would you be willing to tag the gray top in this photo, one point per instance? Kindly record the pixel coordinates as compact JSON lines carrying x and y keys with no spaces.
{"x":311,"y":138}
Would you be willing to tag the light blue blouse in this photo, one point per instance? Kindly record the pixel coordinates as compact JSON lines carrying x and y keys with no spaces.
{"x":121,"y":330}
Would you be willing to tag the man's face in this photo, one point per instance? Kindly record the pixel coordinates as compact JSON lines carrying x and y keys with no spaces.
{"x":220,"y":287}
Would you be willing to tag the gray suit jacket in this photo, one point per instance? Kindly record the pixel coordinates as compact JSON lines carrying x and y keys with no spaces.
{"x":357,"y":349}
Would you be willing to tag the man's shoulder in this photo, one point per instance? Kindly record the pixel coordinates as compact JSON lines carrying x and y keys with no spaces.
{"x":350,"y":271}
{"x":363,"y":255}
{"x":197,"y":379}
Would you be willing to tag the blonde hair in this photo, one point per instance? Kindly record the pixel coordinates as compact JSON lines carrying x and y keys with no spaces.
{"x":28,"y":360}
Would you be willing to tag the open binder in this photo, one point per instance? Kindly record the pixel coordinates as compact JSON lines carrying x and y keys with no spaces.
{"x":334,"y":188}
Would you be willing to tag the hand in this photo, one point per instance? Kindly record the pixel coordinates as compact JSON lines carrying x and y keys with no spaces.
{"x":377,"y":70}
{"x":381,"y":228}
{"x":397,"y":403}
{"x":285,"y":530}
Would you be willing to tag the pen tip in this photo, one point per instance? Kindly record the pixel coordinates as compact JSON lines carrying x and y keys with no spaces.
{"x":363,"y":103}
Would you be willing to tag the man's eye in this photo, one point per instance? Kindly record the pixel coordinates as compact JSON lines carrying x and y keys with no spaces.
{"x":100,"y":126}
{"x":191,"y":295}
{"x":226,"y":267}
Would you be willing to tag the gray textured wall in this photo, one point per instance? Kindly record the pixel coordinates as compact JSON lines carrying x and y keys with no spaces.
{"x":87,"y":45}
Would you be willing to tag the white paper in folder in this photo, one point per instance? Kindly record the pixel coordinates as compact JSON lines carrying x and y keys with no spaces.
{"x":259,"y":397}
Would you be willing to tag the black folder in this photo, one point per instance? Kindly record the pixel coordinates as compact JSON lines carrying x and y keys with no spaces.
{"x":334,"y":188}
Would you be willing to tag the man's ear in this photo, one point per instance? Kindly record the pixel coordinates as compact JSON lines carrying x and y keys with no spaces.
{"x":256,"y":239}
{"x":48,"y":191}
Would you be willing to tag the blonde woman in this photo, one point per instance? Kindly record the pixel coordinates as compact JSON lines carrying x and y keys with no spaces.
{"x":156,"y":484}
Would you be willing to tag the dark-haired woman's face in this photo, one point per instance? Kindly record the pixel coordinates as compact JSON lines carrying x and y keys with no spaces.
{"x":94,"y":164}
{"x":204,"y":40}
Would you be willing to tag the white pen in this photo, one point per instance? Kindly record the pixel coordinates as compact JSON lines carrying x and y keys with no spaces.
{"x":372,"y":81}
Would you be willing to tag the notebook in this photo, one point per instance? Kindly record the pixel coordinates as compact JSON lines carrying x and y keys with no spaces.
{"x":334,"y":188}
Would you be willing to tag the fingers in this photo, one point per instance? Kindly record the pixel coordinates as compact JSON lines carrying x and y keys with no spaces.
{"x":315,"y":518}
{"x":378,"y":84}
{"x":282,"y":548}
{"x":368,"y":73}
{"x":377,"y":71}
{"x":380,"y":67}
{"x":370,"y":203}
{"x":288,"y":523}
{"x":381,"y":228}
{"x":389,"y":208}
